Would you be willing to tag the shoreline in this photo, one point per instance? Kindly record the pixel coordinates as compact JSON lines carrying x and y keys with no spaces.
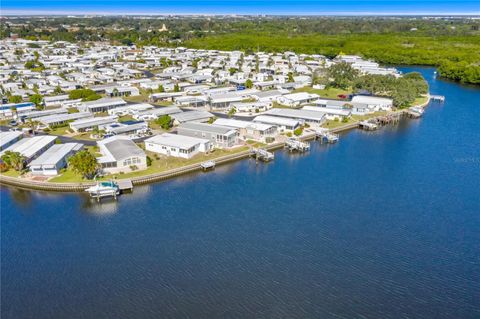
{"x":20,"y":183}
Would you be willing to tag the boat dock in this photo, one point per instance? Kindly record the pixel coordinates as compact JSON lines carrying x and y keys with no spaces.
{"x":295,"y":145}
{"x":261,"y":154}
{"x":437,"y":98}
{"x":367,"y":126}
{"x":207,"y":165}
{"x":326,"y":136}
{"x":125,"y":185}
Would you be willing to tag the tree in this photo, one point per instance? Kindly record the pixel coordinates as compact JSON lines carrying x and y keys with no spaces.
{"x":84,"y":163}
{"x":15,"y":99}
{"x":231,"y":112}
{"x":84,"y":94}
{"x":165,"y":122}
{"x":14,"y":160}
{"x":342,"y":74}
{"x":58,"y":90}
{"x":161,"y":89}
{"x":290,"y":77}
{"x":37,"y":99}
{"x":248,"y":84}
{"x":33,"y":125}
{"x":176,"y":88}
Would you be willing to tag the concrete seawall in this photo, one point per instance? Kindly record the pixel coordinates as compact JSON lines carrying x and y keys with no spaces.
{"x":157,"y":177}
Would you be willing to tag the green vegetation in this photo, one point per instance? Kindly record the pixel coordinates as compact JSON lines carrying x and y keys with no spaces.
{"x":453,"y":44}
{"x":84,"y":94}
{"x":37,"y":99}
{"x":328,"y":92}
{"x":13,"y":160}
{"x":165,"y":122}
{"x":15,"y":99}
{"x":84,"y":164}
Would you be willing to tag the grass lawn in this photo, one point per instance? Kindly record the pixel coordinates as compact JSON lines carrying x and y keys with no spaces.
{"x":163,"y":103}
{"x":420,"y":100}
{"x":329,"y":93}
{"x":125,"y":118}
{"x":59,"y":130}
{"x":12,"y":173}
{"x":355,"y":118}
{"x":163,"y":163}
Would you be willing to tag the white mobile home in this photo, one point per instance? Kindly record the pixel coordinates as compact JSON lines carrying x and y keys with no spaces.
{"x":177,"y":145}
{"x":54,"y":159}
{"x":282,"y":123}
{"x":102,"y":105}
{"x":121,"y":154}
{"x":31,"y":147}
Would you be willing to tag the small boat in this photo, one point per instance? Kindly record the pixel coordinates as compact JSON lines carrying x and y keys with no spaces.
{"x":104,"y":189}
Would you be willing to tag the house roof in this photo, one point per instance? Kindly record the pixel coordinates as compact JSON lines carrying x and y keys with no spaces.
{"x":174,"y":140}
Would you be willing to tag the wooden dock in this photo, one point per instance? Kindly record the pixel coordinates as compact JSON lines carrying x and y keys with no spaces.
{"x":367,"y":126}
{"x":124,"y":185}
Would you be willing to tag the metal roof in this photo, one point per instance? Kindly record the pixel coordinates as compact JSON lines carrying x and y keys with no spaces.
{"x":55,"y":154}
{"x":174,"y":140}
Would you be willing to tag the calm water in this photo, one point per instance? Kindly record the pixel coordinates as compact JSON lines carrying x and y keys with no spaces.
{"x":381,"y":225}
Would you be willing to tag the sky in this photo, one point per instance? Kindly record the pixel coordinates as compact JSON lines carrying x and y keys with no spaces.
{"x":273,"y":7}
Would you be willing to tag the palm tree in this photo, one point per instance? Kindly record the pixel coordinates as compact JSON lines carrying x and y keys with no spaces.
{"x":14,"y":160}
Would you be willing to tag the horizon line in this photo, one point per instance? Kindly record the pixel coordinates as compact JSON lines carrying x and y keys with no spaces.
{"x":21,"y":12}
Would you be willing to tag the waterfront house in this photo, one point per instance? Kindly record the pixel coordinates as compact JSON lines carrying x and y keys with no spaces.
{"x":121,"y":154}
{"x":177,"y":145}
{"x":249,"y":130}
{"x":283,"y":124}
{"x":54,"y":159}
{"x":219,"y":136}
{"x":374,"y":103}
{"x":305,"y":116}
{"x":31,"y":147}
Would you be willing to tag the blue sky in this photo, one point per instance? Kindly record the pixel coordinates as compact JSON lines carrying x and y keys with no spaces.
{"x":311,"y":7}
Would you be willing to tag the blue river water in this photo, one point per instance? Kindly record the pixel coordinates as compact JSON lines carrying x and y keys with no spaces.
{"x":380,"y":225}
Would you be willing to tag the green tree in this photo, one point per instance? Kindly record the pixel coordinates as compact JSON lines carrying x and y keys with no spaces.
{"x":231,"y":112}
{"x":176,"y":88}
{"x":14,"y":160}
{"x":342,"y":74}
{"x":84,"y":163}
{"x":165,"y":122}
{"x":290,"y":77}
{"x":248,"y":84}
{"x":161,"y":89}
{"x":15,"y":99}
{"x":37,"y":99}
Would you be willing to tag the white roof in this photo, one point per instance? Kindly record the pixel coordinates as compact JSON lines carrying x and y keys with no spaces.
{"x":327,"y":110}
{"x":298,"y":114}
{"x":371,"y":99}
{"x":301,"y":96}
{"x":174,"y":140}
{"x":63,"y":117}
{"x":93,"y":121}
{"x":55,"y":154}
{"x":104,"y":102}
{"x":7,"y":137}
{"x":274,"y":120}
{"x":30,"y":146}
{"x":242,"y":124}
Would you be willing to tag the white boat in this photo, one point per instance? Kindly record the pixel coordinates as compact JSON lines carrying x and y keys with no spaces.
{"x":103,"y":189}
